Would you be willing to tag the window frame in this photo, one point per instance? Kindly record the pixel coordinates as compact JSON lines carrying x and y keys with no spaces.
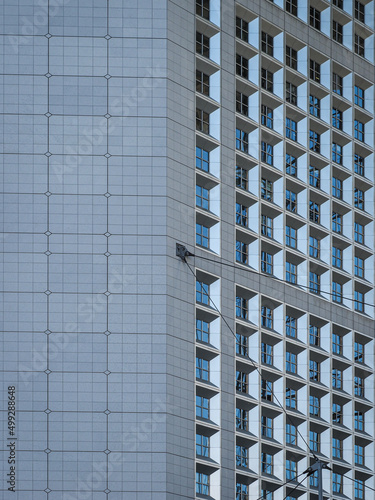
{"x":291,"y":57}
{"x":267,"y":45}
{"x":359,"y":45}
{"x":291,"y":93}
{"x":202,"y":44}
{"x":266,"y":80}
{"x":242,"y":29}
{"x":314,"y":73}
{"x":290,"y":237}
{"x":202,"y":235}
{"x":242,"y":252}
{"x":337,"y":32}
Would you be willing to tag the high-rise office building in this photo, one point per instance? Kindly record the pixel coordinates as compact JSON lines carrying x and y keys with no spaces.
{"x":243,"y":131}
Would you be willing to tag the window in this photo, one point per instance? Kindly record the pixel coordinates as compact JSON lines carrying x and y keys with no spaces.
{"x":314,"y":479}
{"x":337,"y":83}
{"x":314,"y":212}
{"x":336,"y":222}
{"x":202,"y":331}
{"x":337,"y":292}
{"x":267,"y":494}
{"x":359,"y":386}
{"x":337,"y":31}
{"x":202,"y":197}
{"x":202,"y":159}
{"x":242,"y":66}
{"x":267,"y":43}
{"x":291,"y":129}
{"x":242,"y":140}
{"x":290,"y":272}
{"x":314,"y":176}
{"x":338,"y":3}
{"x":266,"y":189}
{"x":290,"y":470}
{"x":337,"y":118}
{"x":202,"y":235}
{"x":291,"y":7}
{"x":241,"y":215}
{"x":359,"y":11}
{"x":314,"y":282}
{"x":291,"y":362}
{"x":314,"y":141}
{"x":267,"y":317}
{"x":291,"y":164}
{"x":359,"y":233}
{"x":242,"y":491}
{"x":337,"y":257}
{"x":314,"y":71}
{"x":359,"y":198}
{"x":314,"y":406}
{"x":336,"y":378}
{"x":242,"y":419}
{"x":336,"y":448}
{"x":337,"y":414}
{"x":202,"y":407}
{"x":337,"y":188}
{"x":291,"y":398}
{"x":242,"y":29}
{"x":359,"y":301}
{"x":202,"y":369}
{"x":202,"y":8}
{"x":266,"y":426}
{"x":267,"y":354}
{"x":359,"y":130}
{"x":290,"y":201}
{"x":359,"y":420}
{"x":291,"y":57}
{"x":242,"y":252}
{"x":202,"y":83}
{"x":359,"y":45}
{"x":337,"y":153}
{"x":267,"y":80}
{"x":242,"y":308}
{"x":202,"y":446}
{"x":291,"y":93}
{"x":202,"y":483}
{"x":267,"y":463}
{"x":314,"y":106}
{"x":359,"y":487}
{"x":242,"y":456}
{"x":314,"y":335}
{"x":359,"y":352}
{"x":267,"y":116}
{"x":314,"y":247}
{"x":202,"y":121}
{"x":202,"y":45}
{"x":242,"y":103}
{"x":359,"y":454}
{"x":315,"y":18}
{"x":266,"y":391}
{"x":241,"y":381}
{"x":266,"y":262}
{"x":336,"y":482}
{"x":291,"y":237}
{"x":359,"y":164}
{"x":267,"y":153}
{"x":241,"y":177}
{"x":314,"y":370}
{"x":291,"y":327}
{"x":291,"y":434}
{"x":315,"y":441}
{"x":202,"y":292}
{"x":242,"y":345}
{"x":359,"y":96}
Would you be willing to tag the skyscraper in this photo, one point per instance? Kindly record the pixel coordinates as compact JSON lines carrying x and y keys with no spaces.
{"x":243,"y":132}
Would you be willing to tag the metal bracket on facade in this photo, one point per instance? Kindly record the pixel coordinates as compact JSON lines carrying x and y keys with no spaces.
{"x":183,"y":252}
{"x":319,"y":465}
